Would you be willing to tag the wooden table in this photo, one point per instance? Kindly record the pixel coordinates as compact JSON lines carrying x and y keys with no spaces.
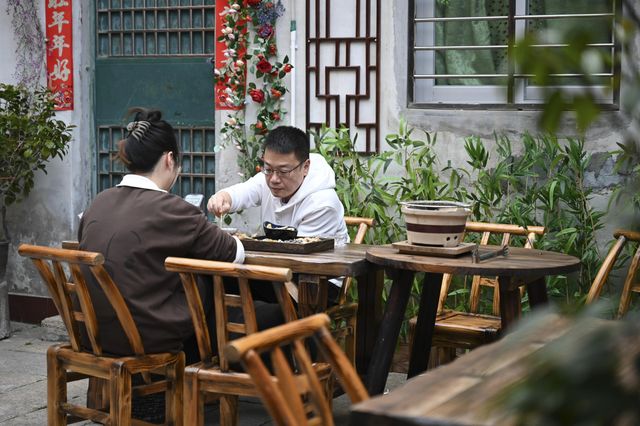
{"x":462,"y":392}
{"x":347,"y":260}
{"x":522,"y":265}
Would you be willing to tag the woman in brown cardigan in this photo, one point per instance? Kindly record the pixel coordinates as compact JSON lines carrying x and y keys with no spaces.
{"x":138,"y":224}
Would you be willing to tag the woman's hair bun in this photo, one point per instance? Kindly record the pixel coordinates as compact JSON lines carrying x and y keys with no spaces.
{"x":144,"y":114}
{"x":148,"y":139}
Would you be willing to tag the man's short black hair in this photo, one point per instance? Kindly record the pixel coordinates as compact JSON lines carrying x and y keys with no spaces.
{"x":287,"y":139}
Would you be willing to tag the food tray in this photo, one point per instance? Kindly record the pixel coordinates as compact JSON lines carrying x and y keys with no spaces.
{"x":288,"y":246}
{"x":406,"y":248}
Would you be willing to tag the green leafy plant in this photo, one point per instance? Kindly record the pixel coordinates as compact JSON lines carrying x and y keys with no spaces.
{"x":30,"y":136}
{"x":542,"y":184}
{"x":359,"y":181}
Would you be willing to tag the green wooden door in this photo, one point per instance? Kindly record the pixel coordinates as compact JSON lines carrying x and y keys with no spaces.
{"x":155,"y":53}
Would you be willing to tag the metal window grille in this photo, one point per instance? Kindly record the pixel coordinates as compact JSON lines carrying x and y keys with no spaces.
{"x":155,"y":27}
{"x":198,"y":159}
{"x":520,"y":18}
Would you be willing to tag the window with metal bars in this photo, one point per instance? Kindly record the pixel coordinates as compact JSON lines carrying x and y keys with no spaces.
{"x":155,"y":27}
{"x":197,"y":159}
{"x":459,"y":49}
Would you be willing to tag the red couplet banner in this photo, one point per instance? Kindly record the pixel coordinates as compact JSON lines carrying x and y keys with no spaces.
{"x":221,"y":96}
{"x":59,"y":23}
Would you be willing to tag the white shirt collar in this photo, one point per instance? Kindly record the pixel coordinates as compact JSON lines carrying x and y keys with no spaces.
{"x":139,"y":181}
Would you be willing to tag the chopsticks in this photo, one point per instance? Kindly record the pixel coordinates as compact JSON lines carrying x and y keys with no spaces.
{"x":476,"y":257}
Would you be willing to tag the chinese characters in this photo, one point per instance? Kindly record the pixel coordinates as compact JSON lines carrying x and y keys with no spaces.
{"x":59,"y":26}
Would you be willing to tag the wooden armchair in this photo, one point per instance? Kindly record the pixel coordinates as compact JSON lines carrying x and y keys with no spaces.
{"x":68,"y":362}
{"x":343,"y":314}
{"x":631,"y":285}
{"x":467,"y":330}
{"x":296,"y":398}
{"x":213,"y":375}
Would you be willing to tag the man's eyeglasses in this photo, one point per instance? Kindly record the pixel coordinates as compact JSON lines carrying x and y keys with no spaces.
{"x":281,"y":173}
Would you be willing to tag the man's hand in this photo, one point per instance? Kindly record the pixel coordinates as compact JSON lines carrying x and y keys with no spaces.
{"x":219,"y":203}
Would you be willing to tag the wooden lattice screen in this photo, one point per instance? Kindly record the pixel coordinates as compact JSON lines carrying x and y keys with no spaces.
{"x":342,"y":71}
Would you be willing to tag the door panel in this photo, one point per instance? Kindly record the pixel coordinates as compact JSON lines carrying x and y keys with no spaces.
{"x":181,"y":88}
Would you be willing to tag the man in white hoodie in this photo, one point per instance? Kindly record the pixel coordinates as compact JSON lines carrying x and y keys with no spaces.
{"x":294,"y":188}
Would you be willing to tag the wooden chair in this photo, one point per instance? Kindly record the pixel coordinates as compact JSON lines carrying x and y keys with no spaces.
{"x":631,"y":285}
{"x":363,"y":224}
{"x":455,"y":330}
{"x":296,"y":398}
{"x":70,"y":361}
{"x":70,"y":245}
{"x":344,"y":314}
{"x":213,"y":375}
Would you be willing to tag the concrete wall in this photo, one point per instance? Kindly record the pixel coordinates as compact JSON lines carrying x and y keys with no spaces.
{"x":49,"y":214}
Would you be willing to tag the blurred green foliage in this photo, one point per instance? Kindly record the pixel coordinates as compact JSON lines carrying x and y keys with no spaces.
{"x":579,"y":53}
{"x":589,"y":376}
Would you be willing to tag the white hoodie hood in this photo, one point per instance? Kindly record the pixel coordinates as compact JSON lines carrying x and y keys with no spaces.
{"x":314,"y":209}
{"x":321,"y":176}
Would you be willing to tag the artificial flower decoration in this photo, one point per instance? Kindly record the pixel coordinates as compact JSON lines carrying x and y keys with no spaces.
{"x":265,"y":31}
{"x":275,"y":93}
{"x":272,"y":49}
{"x":264,"y":66}
{"x":257,"y":95}
{"x":258,"y":56}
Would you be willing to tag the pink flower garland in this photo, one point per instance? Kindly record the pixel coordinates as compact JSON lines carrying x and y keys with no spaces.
{"x":267,"y":91}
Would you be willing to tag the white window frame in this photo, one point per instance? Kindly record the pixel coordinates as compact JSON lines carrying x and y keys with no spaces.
{"x":423,"y":91}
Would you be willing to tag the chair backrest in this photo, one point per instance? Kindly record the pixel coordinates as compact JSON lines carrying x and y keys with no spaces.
{"x":487,"y":230}
{"x":363,"y":224}
{"x":70,"y":245}
{"x":189,"y":269}
{"x":296,"y":398}
{"x":51,"y":263}
{"x":630,"y":284}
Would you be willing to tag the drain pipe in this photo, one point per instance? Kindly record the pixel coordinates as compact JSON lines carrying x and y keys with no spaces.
{"x":292,"y":61}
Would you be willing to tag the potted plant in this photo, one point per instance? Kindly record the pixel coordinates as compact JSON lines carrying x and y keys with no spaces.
{"x":29,"y":137}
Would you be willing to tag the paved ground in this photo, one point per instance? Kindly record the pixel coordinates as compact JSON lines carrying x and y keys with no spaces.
{"x":23,"y":384}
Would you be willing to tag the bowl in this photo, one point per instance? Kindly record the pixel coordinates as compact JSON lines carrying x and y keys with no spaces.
{"x":435,"y":223}
{"x":279,"y":232}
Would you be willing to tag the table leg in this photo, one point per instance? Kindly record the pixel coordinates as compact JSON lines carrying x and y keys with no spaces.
{"x":423,"y":335}
{"x":510,"y":304}
{"x":537,"y":291}
{"x":369,"y":287}
{"x":385,"y":345}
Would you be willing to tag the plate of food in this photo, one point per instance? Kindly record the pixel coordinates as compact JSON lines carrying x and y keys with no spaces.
{"x":301,"y":245}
